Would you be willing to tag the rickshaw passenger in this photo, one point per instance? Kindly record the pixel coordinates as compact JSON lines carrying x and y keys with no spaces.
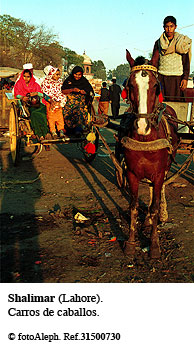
{"x":29,"y":92}
{"x":79,"y":97}
{"x":51,"y":86}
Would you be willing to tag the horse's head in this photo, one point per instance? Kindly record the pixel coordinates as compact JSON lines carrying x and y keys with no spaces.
{"x":144,"y":89}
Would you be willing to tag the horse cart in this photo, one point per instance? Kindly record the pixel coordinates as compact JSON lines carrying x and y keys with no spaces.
{"x":149,"y":136}
{"x":22,"y":135}
{"x":185,"y":121}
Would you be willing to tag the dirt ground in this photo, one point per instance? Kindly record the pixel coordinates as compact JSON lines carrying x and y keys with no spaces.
{"x":41,"y":241}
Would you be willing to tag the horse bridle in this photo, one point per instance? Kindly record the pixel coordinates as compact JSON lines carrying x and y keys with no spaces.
{"x":158,"y":108}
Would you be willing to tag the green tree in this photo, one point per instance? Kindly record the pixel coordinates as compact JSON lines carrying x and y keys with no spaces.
{"x":72,"y":57}
{"x":121,"y":72}
{"x":21,"y":43}
{"x":109,"y":74}
{"x":99,"y":70}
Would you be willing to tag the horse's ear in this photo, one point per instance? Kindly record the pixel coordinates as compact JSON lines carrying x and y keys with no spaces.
{"x":129,"y":58}
{"x":155,"y":59}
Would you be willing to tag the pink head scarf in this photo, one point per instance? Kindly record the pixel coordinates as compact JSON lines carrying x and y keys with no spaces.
{"x":22,"y":89}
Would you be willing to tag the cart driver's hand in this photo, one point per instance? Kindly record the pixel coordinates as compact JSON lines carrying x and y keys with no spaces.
{"x":82,"y":92}
{"x":183,"y":85}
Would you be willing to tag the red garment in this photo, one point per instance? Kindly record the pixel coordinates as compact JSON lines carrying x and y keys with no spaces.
{"x":22,"y":89}
{"x":124,"y":93}
{"x":161,"y":98}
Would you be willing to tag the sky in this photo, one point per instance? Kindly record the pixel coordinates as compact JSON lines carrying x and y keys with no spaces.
{"x":104,"y":29}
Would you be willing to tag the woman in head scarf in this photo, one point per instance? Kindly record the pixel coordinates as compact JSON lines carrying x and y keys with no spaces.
{"x":25,"y":88}
{"x":79,"y":94}
{"x":51,"y":86}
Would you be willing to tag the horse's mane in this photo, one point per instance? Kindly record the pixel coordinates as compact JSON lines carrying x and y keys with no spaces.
{"x":140,"y":60}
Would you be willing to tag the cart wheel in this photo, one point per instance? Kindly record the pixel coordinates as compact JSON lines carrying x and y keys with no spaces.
{"x":15,"y":140}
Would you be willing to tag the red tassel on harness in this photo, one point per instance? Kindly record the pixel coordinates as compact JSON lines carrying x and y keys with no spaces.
{"x":90,"y":148}
{"x":161,"y":98}
{"x":124,"y":93}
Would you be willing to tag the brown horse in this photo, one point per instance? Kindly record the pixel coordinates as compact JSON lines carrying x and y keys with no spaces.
{"x":149,"y":148}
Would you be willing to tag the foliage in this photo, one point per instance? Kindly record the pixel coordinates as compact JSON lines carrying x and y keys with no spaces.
{"x":22,"y":43}
{"x":99,"y":70}
{"x":71,"y":57}
{"x":121,"y":73}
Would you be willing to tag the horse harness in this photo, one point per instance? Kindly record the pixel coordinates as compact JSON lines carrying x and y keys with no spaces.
{"x":153,"y":119}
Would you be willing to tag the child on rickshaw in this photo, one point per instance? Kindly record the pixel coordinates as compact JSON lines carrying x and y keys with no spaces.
{"x":79,"y":94}
{"x":51,"y":86}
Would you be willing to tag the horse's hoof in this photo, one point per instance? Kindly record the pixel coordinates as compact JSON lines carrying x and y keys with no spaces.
{"x":129,"y":248}
{"x":155,"y":252}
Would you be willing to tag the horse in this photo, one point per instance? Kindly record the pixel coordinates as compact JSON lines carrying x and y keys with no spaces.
{"x":149,"y":148}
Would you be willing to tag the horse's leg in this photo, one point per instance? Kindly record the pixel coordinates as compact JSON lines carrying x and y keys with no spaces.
{"x":163,"y":214}
{"x":130,"y":243}
{"x":155,"y":245}
{"x":148,"y":219}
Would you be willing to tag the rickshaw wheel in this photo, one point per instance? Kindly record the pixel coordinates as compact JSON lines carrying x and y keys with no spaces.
{"x":15,"y":140}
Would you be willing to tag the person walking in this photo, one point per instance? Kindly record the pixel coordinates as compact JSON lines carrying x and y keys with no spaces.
{"x":115,"y":91}
{"x":104,"y":100}
{"x":172,"y":56}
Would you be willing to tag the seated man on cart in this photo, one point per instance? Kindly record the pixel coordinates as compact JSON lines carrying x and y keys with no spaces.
{"x":79,"y":94}
{"x":172,"y":56}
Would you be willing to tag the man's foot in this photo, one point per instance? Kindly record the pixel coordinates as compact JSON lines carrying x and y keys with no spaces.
{"x":54,"y":135}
